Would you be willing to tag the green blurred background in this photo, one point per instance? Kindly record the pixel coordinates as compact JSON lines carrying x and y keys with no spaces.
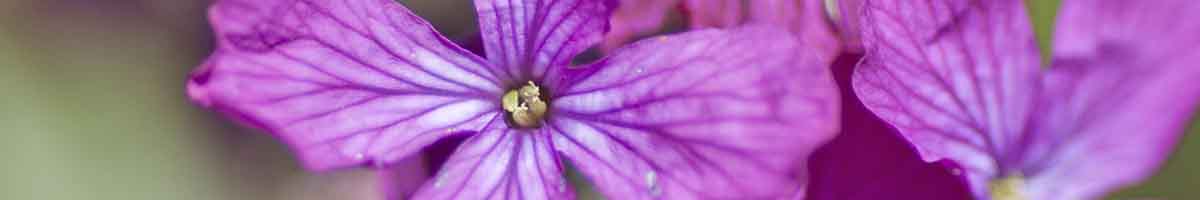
{"x":92,"y":106}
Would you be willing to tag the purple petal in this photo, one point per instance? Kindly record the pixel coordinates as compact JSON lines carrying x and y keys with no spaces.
{"x":1118,"y":99}
{"x":701,"y":115}
{"x":501,"y":163}
{"x":342,"y":82}
{"x":530,"y":37}
{"x":955,"y":77}
{"x":869,"y":159}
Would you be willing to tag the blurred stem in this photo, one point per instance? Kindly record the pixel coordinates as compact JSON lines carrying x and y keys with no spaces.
{"x":1042,"y":13}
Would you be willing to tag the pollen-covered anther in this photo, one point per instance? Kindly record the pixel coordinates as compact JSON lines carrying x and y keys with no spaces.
{"x":525,"y":106}
{"x":1008,"y":188}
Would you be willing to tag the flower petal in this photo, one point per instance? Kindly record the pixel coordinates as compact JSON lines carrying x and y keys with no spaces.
{"x":342,"y":82}
{"x":501,"y":163}
{"x":869,"y":159}
{"x":701,"y":115}
{"x":1118,"y":99}
{"x":955,"y":77}
{"x":530,"y":37}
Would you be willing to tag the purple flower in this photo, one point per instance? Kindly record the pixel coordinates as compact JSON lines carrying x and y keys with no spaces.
{"x":961,"y":80}
{"x":704,"y":114}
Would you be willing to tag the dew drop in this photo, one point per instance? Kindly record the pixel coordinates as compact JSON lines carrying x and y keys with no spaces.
{"x":640,"y":70}
{"x":651,"y":178}
{"x":359,"y":156}
{"x":652,"y":184}
{"x":440,"y":181}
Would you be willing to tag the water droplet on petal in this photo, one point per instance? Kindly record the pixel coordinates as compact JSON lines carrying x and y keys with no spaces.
{"x":652,"y":184}
{"x":651,"y":178}
{"x":359,"y":156}
{"x":439,"y":181}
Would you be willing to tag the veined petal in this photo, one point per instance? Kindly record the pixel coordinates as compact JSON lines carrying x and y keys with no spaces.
{"x":956,"y":77}
{"x":1118,"y":99}
{"x":501,"y":163}
{"x":530,"y":38}
{"x":342,"y":82}
{"x":869,"y":159}
{"x":701,"y":115}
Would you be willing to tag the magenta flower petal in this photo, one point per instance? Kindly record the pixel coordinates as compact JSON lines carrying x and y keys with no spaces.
{"x":501,"y":163}
{"x":531,"y":37}
{"x":1105,"y":116}
{"x":1118,"y":98}
{"x":700,"y":115}
{"x":342,"y":82}
{"x":953,"y":76}
{"x":869,"y":159}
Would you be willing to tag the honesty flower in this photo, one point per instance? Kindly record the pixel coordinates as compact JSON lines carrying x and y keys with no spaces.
{"x":705,"y":114}
{"x":961,"y":79}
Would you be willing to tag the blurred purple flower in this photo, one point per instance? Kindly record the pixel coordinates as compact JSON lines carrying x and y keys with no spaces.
{"x":805,"y":17}
{"x":845,"y":16}
{"x":634,"y":18}
{"x":705,"y":114}
{"x":961,"y":80}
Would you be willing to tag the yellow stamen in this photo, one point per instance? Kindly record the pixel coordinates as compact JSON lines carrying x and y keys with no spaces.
{"x":1008,"y":188}
{"x":525,"y":106}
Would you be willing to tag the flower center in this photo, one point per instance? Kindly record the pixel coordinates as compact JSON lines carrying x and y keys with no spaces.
{"x":525,"y":106}
{"x":1008,"y":188}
